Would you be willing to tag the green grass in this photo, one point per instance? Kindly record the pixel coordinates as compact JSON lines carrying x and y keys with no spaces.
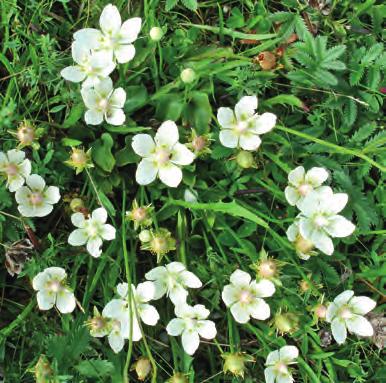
{"x":332,"y":119}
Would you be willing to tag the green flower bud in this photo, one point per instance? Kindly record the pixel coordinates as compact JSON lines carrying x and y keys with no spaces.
{"x":188,"y":75}
{"x":156,"y":34}
{"x":142,"y":367}
{"x":245,"y":159}
{"x":286,"y":323}
{"x":76,"y":204}
{"x":145,"y":236}
{"x":234,"y":363}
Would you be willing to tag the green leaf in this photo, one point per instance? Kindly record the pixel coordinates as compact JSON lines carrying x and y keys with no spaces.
{"x":170,"y":4}
{"x":199,"y":112}
{"x":284,"y":99}
{"x":137,"y":97}
{"x":169,"y":107}
{"x":101,"y":152}
{"x":74,"y":116}
{"x":95,"y":368}
{"x":190,"y":4}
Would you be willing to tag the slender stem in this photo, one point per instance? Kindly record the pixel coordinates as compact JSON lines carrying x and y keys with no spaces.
{"x":94,"y":186}
{"x":11,"y":215}
{"x":19,"y":320}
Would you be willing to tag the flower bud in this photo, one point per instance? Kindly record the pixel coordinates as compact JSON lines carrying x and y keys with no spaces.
{"x":142,"y":367}
{"x":286,"y":323}
{"x":140,"y":215}
{"x":234,"y":363}
{"x":199,"y":143}
{"x":26,"y":134}
{"x":79,"y":160}
{"x":267,"y":269}
{"x":178,"y":377}
{"x":245,"y":159}
{"x":188,"y":75}
{"x":145,"y":236}
{"x":76,"y":204}
{"x":160,"y":243}
{"x":156,"y":34}
{"x":304,"y":286}
{"x":320,"y":311}
{"x":98,"y":325}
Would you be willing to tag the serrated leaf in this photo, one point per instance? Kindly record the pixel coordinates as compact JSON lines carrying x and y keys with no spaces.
{"x":95,"y":368}
{"x":170,"y":4}
{"x":190,"y":4}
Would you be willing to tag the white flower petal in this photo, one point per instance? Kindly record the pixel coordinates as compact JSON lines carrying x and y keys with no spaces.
{"x":45,"y":300}
{"x":190,"y":280}
{"x":228,"y":138}
{"x":15,"y":183}
{"x":65,"y":301}
{"x":167,"y":134}
{"x":41,"y":211}
{"x":175,"y":327}
{"x":15,"y":156}
{"x":146,"y":172}
{"x":288,"y":353}
{"x":200,"y":312}
{"x":339,"y":331}
{"x":158,"y":272}
{"x":322,"y":242}
{"x":343,"y":298}
{"x":35,"y":182}
{"x":94,"y":247}
{"x":104,"y":87}
{"x":178,"y":295}
{"x":291,"y":195}
{"x":90,"y":98}
{"x":181,"y":155}
{"x":240,"y":312}
{"x":337,"y":203}
{"x":270,"y":375}
{"x":93,"y":117}
{"x":226,"y":117}
{"x":207,"y":329}
{"x":284,"y":379}
{"x":89,"y":37}
{"x":80,"y":52}
{"x":123,"y":289}
{"x":108,"y":232}
{"x":118,"y":98}
{"x":145,"y":291}
{"x":272,"y":358}
{"x":124,"y":53}
{"x":264,"y":123}
{"x":259,"y":309}
{"x":316,"y":176}
{"x":292,"y":232}
{"x":99,"y":215}
{"x":190,"y":341}
{"x":240,"y":278}
{"x":249,"y":141}
{"x":264,"y":288}
{"x":39,"y":281}
{"x":149,"y":314}
{"x":73,"y":74}
{"x":143,"y":145}
{"x":339,"y":227}
{"x":78,"y":237}
{"x":229,"y":295}
{"x":110,"y":20}
{"x":296,"y":176}
{"x":170,"y":175}
{"x":246,"y":107}
{"x":116,"y":341}
{"x":359,"y":325}
{"x":332,"y":310}
{"x":130,"y":30}
{"x":116,"y":308}
{"x":175,"y":267}
{"x":52,"y":195}
{"x":362,"y":305}
{"x":78,"y":220}
{"x":115,"y":116}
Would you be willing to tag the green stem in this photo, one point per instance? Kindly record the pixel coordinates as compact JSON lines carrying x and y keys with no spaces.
{"x":18,"y":321}
{"x":308,"y":369}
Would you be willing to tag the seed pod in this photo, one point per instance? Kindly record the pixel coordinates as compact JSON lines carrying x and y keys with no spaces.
{"x":142,"y":367}
{"x":234,"y":363}
{"x":267,"y":60}
{"x":178,"y":377}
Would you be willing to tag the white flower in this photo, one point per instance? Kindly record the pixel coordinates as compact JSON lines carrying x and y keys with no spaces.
{"x":51,"y":288}
{"x":103,"y":101}
{"x":302,"y":183}
{"x":114,"y":39}
{"x":245,"y":297}
{"x":243,"y":126}
{"x":92,"y":230}
{"x":319,"y":219}
{"x":191,"y":323}
{"x":91,"y":66}
{"x":304,"y":247}
{"x":277,"y":363}
{"x":162,"y":156}
{"x":36,"y":199}
{"x":15,"y":168}
{"x":127,"y":315}
{"x":346,"y":313}
{"x":172,"y":280}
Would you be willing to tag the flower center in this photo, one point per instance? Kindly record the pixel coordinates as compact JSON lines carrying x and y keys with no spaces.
{"x":304,"y":189}
{"x":162,"y":156}
{"x":139,"y":214}
{"x":92,"y":230}
{"x":267,"y":269}
{"x":281,"y":368}
{"x":12,"y":170}
{"x":241,"y":127}
{"x":345,"y":313}
{"x":25,"y":135}
{"x":79,"y":157}
{"x":159,"y":245}
{"x":36,"y":198}
{"x":103,"y":104}
{"x":245,"y":296}
{"x":54,"y":286}
{"x":320,"y":221}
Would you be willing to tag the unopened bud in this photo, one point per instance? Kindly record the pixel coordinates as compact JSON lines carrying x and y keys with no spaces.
{"x":188,"y":75}
{"x":199,"y":143}
{"x":245,"y":159}
{"x":321,"y":311}
{"x":144,"y":236}
{"x":303,"y":245}
{"x":267,"y":269}
{"x":178,"y":377}
{"x":142,"y":367}
{"x":156,"y":34}
{"x":234,"y":363}
{"x":286,"y":323}
{"x":76,"y":204}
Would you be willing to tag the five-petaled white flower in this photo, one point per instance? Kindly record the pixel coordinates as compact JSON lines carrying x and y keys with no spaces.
{"x":319,"y":218}
{"x":91,"y":66}
{"x":278,"y":363}
{"x":103,"y":101}
{"x":346,"y":313}
{"x":242,"y":127}
{"x":92,"y":230}
{"x":172,"y":280}
{"x":191,"y":323}
{"x":302,"y":183}
{"x":245,"y":297}
{"x":115,"y":39}
{"x":36,"y":199}
{"x":15,"y":168}
{"x":51,"y":288}
{"x":162,"y":156}
{"x":127,"y":311}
